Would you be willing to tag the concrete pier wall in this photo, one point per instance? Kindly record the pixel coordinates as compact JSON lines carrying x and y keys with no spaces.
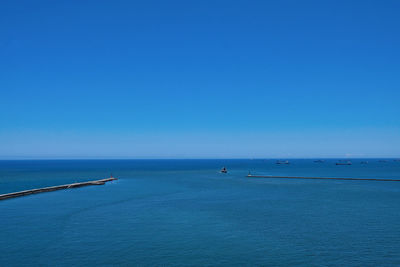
{"x":322,"y":178}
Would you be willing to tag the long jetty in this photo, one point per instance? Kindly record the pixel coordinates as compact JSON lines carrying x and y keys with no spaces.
{"x":322,"y":178}
{"x":54,"y":188}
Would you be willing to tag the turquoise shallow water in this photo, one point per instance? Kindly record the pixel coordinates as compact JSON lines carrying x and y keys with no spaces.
{"x":185,"y":213}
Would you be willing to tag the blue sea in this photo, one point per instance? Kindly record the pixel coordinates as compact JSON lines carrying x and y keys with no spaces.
{"x":186,"y":213}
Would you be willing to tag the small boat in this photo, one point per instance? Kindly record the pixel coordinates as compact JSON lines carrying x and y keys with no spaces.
{"x":344,"y":162}
{"x":282,"y":162}
{"x":364,"y":162}
{"x":382,"y":160}
{"x":319,"y":161}
{"x":224,"y":170}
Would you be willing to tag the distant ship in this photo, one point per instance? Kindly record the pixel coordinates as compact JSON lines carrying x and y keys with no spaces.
{"x":224,"y":170}
{"x":382,"y":160}
{"x":319,"y":161}
{"x":282,"y":162}
{"x":364,"y":162}
{"x":344,"y":162}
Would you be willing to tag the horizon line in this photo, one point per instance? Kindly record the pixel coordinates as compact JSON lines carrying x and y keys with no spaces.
{"x":244,"y":158}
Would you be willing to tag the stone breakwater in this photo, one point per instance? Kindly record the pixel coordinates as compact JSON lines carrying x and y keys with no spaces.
{"x":54,"y":188}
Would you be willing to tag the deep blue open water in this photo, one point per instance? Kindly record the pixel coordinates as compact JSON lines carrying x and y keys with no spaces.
{"x":186,"y":213}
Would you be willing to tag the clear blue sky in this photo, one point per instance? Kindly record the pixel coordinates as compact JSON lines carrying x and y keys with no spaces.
{"x":199,"y":79}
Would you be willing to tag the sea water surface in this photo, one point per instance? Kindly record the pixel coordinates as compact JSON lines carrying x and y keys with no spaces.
{"x":186,"y":213}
